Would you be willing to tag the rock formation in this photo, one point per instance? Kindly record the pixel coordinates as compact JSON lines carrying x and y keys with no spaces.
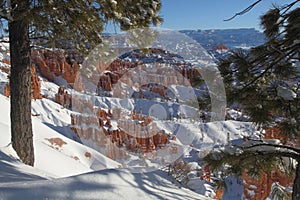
{"x":260,"y":188}
{"x":121,"y":70}
{"x":118,"y":140}
{"x":5,"y":69}
{"x":206,"y":173}
{"x":63,"y":98}
{"x":53,"y":64}
{"x":105,"y":82}
{"x":221,"y":48}
{"x":35,"y":85}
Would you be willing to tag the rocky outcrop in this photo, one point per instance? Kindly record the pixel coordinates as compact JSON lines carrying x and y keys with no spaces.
{"x":119,"y":139}
{"x":260,"y":188}
{"x":158,"y":89}
{"x":206,"y":173}
{"x":105,"y":82}
{"x":5,"y":69}
{"x":7,"y":90}
{"x":88,"y":155}
{"x":122,"y":69}
{"x":35,"y":85}
{"x":56,"y":143}
{"x":221,"y":48}
{"x":63,"y":98}
{"x":52,"y":64}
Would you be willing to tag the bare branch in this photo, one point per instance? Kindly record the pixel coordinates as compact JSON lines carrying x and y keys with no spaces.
{"x":286,"y":8}
{"x":243,"y":11}
{"x":289,"y":6}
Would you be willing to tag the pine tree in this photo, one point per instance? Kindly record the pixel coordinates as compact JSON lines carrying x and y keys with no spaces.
{"x":64,"y":24}
{"x":265,"y":83}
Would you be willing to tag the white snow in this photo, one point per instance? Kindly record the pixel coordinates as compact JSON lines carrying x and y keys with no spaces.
{"x":63,"y":170}
{"x":105,"y":184}
{"x":68,"y":168}
{"x":44,"y":180}
{"x":285,"y":93}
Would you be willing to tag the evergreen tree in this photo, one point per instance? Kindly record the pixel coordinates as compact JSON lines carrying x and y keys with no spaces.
{"x":265,"y":83}
{"x":69,"y":23}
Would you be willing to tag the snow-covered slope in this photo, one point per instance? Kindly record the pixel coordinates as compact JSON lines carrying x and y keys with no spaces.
{"x":61,"y":162}
{"x":105,"y":184}
{"x":66,"y":167}
{"x":52,"y":162}
{"x":54,"y":152}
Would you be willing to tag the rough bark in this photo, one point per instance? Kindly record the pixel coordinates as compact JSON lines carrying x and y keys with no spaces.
{"x":20,"y":83}
{"x":296,"y":187}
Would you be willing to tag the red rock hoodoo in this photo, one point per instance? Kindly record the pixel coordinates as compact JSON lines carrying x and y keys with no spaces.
{"x":35,"y":85}
{"x":53,"y":64}
{"x":123,"y":138}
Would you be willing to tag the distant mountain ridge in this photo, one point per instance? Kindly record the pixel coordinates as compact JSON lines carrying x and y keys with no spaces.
{"x":231,"y":38}
{"x":210,"y":39}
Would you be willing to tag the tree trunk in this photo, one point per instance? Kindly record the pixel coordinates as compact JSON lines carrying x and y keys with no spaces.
{"x":20,"y":83}
{"x":296,"y":187}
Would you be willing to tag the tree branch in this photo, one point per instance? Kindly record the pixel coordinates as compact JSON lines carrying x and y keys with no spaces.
{"x":282,"y":154}
{"x":243,"y":11}
{"x":5,"y":12}
{"x":289,"y":6}
{"x":286,"y":8}
{"x":297,"y":150}
{"x":271,"y":65}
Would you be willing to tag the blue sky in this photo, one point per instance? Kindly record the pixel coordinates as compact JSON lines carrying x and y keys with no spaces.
{"x":209,"y":14}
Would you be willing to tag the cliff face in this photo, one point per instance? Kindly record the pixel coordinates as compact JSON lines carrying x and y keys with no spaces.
{"x":35,"y":85}
{"x":49,"y":64}
{"x":52,"y":64}
{"x":133,"y":66}
{"x":117,"y":140}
